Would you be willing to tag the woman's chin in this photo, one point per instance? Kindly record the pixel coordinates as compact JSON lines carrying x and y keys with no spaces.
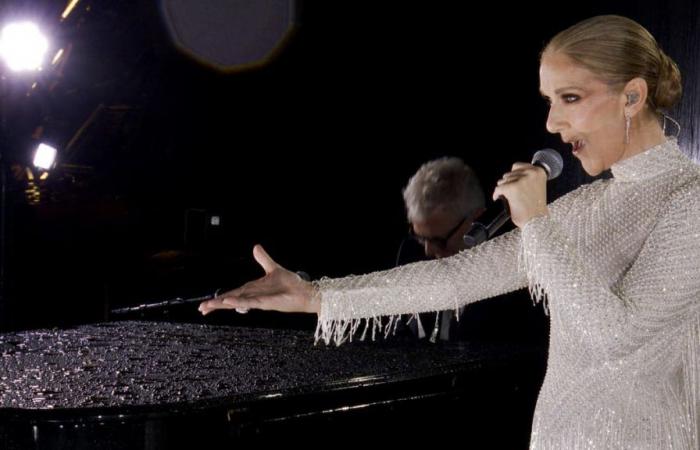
{"x":591,"y":169}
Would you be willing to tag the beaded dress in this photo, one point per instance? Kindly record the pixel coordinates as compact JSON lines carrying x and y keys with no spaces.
{"x":617,"y":263}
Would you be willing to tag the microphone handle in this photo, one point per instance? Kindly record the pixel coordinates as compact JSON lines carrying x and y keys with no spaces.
{"x":500,"y":219}
{"x":486,"y":225}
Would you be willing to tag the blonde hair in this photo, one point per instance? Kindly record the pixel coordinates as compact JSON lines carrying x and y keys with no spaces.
{"x":619,"y":49}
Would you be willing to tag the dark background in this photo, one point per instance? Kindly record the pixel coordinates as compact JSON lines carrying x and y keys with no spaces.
{"x":307,"y":154}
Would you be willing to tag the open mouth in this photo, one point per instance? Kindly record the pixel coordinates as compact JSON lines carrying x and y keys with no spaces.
{"x":576,"y":146}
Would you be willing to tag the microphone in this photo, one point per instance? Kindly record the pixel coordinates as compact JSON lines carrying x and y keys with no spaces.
{"x":498,"y":213}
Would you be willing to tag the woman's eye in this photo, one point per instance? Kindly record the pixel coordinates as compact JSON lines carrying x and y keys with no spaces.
{"x":570,"y":98}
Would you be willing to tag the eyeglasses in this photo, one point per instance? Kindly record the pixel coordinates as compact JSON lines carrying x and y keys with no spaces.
{"x":440,"y":242}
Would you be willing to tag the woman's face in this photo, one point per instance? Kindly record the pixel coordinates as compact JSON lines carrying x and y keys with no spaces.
{"x":584,"y":110}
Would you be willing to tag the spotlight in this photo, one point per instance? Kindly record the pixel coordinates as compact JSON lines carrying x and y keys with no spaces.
{"x":44,"y":156}
{"x":23,"y":46}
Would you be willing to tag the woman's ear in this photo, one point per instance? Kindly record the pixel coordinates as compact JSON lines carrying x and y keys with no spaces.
{"x":635,"y":96}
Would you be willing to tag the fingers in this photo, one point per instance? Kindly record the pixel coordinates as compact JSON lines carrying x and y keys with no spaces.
{"x":506,"y":186}
{"x":264,"y":293}
{"x":246,"y":297}
{"x":212,"y":305}
{"x":520,"y":171}
{"x":510,"y":177}
{"x":240,"y":304}
{"x":261,"y":256}
{"x":520,"y":165}
{"x":241,"y":298}
{"x":498,"y":192}
{"x":218,"y":302}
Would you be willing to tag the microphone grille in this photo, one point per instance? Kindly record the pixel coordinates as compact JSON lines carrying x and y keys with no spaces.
{"x":551,"y":160}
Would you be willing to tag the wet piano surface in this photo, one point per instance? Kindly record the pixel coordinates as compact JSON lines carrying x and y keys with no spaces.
{"x":137,"y":384}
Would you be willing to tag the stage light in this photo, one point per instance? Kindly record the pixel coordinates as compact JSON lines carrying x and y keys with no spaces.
{"x":45,"y":156}
{"x":69,"y":8}
{"x":57,"y":57}
{"x":23,"y":46}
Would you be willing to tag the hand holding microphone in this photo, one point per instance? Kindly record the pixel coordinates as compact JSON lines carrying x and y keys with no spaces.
{"x":525,"y":190}
{"x":520,"y":195}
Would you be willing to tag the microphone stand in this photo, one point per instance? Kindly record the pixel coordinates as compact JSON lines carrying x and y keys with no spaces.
{"x":162,"y":304}
{"x":180,"y":301}
{"x":3,"y":234}
{"x":3,"y":201}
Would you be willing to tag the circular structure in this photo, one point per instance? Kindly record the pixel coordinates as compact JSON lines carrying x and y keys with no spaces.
{"x":230,"y":35}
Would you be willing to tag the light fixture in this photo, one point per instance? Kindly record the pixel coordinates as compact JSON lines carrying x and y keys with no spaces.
{"x":57,"y":56}
{"x":44,"y":156}
{"x":69,"y":8}
{"x":23,"y":46}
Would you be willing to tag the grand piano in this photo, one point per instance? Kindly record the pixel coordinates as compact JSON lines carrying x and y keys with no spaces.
{"x":159,"y":385}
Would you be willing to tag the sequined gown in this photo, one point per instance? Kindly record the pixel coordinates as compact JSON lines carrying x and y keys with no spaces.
{"x":617,"y":262}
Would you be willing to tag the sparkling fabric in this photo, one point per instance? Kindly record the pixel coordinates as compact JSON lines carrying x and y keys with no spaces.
{"x":617,"y":262}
